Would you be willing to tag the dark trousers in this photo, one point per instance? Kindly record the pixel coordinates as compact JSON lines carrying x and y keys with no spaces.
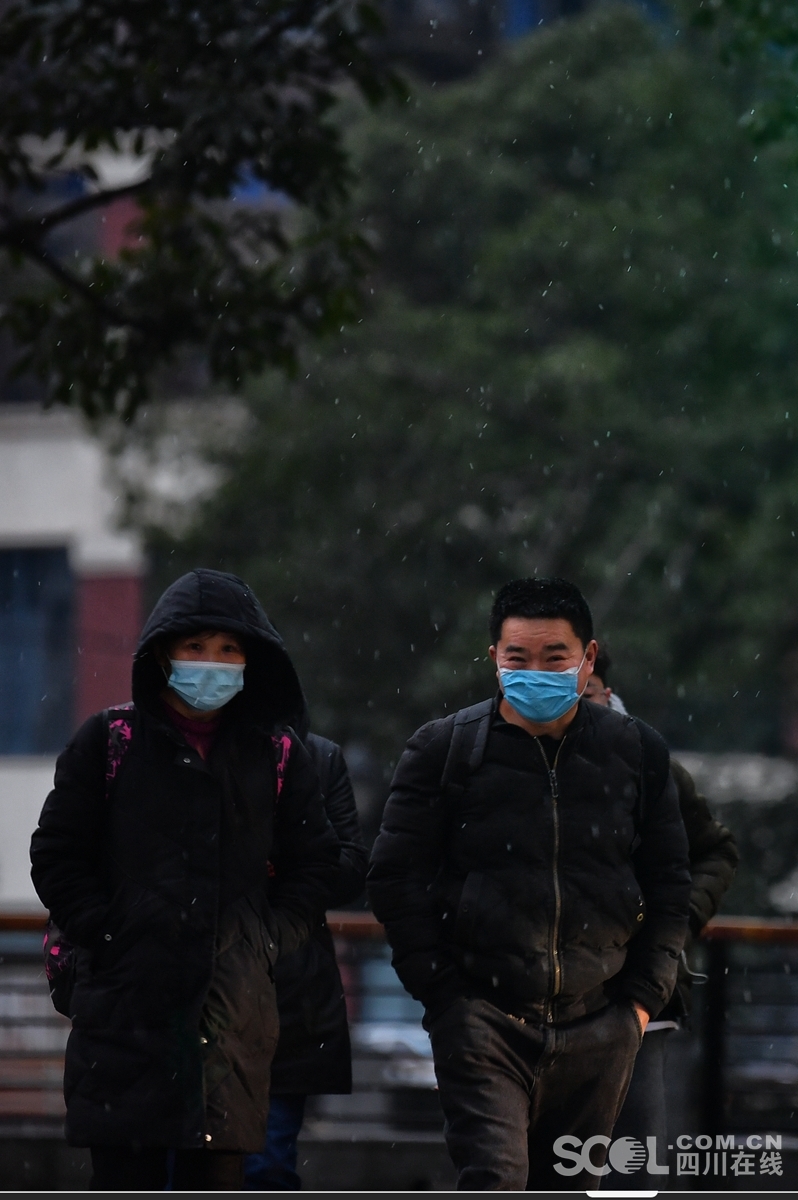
{"x":124,"y":1169}
{"x":644,"y":1114}
{"x":274,"y":1169}
{"x":509,"y":1090}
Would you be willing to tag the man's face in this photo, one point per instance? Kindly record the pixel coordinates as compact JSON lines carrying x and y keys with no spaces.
{"x":543,"y":644}
{"x":208,"y":646}
{"x":597,"y":692}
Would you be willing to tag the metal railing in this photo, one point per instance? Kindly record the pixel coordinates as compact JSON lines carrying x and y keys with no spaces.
{"x":746,"y":1022}
{"x":32,"y":1034}
{"x":749,"y":1025}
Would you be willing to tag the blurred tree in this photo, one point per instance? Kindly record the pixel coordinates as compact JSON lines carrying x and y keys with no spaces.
{"x":214,"y":116}
{"x":441,"y":40}
{"x":580,"y":360}
{"x":762,"y":38}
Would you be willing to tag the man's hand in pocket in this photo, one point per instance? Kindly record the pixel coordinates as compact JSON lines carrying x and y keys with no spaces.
{"x":642,"y":1016}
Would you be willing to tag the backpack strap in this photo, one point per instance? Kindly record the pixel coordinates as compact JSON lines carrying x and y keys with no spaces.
{"x":470,"y":731}
{"x":282,"y":753}
{"x":119,"y":726}
{"x":654,"y":770}
{"x":118,"y":723}
{"x":281,"y":744}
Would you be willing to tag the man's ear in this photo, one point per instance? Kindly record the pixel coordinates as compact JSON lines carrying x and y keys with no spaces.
{"x":492,"y":653}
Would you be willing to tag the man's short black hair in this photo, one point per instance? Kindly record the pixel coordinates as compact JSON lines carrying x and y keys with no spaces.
{"x":601,"y":667}
{"x":550,"y":598}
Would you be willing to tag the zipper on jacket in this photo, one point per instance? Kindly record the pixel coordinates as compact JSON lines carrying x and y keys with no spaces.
{"x":554,"y":936}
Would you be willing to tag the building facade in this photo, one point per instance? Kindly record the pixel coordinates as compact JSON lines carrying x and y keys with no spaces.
{"x":70,"y":608}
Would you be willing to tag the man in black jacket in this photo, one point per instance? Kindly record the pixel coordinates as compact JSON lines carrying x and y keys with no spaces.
{"x":535,"y":892}
{"x":155,"y":863}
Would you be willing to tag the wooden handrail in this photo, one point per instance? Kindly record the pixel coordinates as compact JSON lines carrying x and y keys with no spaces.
{"x":361,"y":925}
{"x":23,"y":922}
{"x":365,"y":926}
{"x":728,"y":929}
{"x":751,"y":929}
{"x":345,"y":924}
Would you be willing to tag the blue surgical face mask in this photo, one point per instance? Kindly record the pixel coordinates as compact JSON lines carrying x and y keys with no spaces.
{"x":541,"y":696}
{"x":206,"y":685}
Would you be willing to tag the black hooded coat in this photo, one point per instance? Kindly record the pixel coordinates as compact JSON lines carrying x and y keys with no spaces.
{"x":162,"y":880}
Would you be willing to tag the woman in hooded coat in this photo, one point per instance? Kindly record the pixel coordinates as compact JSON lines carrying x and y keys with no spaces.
{"x":156,"y":864}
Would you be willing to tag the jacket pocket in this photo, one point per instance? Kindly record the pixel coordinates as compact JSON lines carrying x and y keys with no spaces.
{"x":638,"y":913}
{"x":628,"y":908}
{"x":467,"y":917}
{"x":271,"y":941}
{"x":120,"y":928}
{"x":640,"y":1030}
{"x":488,"y":923}
{"x":267,"y":937}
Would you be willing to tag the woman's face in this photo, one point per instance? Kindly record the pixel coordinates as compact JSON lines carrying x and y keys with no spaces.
{"x":208,"y":646}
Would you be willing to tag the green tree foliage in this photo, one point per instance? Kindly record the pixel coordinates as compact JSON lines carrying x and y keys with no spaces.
{"x":203,"y":95}
{"x":580,"y":360}
{"x":761,"y":38}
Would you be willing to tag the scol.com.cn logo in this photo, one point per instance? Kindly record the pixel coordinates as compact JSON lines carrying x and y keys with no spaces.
{"x":756,"y":1154}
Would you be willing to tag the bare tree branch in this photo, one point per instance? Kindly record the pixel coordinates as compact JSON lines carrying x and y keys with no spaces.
{"x":15,"y":232}
{"x":75,"y":284}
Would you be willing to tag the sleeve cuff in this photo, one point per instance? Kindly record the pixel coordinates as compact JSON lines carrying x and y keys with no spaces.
{"x":638,"y":992}
{"x":443,"y":993}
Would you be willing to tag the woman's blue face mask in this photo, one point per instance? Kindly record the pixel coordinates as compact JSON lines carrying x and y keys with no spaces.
{"x":205,"y":685}
{"x":541,"y":696}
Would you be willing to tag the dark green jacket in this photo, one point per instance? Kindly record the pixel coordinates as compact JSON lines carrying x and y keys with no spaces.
{"x":713,"y":862}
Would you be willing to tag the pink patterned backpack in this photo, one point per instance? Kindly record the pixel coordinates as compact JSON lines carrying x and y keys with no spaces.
{"x":60,"y":957}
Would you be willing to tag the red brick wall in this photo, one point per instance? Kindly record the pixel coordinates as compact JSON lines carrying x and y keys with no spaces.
{"x":108,"y":626}
{"x":114,"y":226}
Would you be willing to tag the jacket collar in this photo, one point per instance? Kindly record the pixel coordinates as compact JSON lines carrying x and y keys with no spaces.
{"x":582,"y":717}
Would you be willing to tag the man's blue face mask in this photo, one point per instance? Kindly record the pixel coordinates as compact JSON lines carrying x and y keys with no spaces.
{"x":541,"y":696}
{"x":206,"y":685}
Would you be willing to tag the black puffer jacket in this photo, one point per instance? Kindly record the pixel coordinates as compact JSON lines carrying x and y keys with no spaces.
{"x":163,"y":883}
{"x":535,"y":901}
{"x":313,"y":1054}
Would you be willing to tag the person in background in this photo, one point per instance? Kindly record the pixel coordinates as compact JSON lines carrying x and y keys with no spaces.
{"x":713,"y":862}
{"x":531,"y":873}
{"x":598,"y":689}
{"x":152,"y":854}
{"x":313,"y":1053}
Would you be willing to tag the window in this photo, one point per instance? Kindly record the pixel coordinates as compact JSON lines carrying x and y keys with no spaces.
{"x":36,"y":650}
